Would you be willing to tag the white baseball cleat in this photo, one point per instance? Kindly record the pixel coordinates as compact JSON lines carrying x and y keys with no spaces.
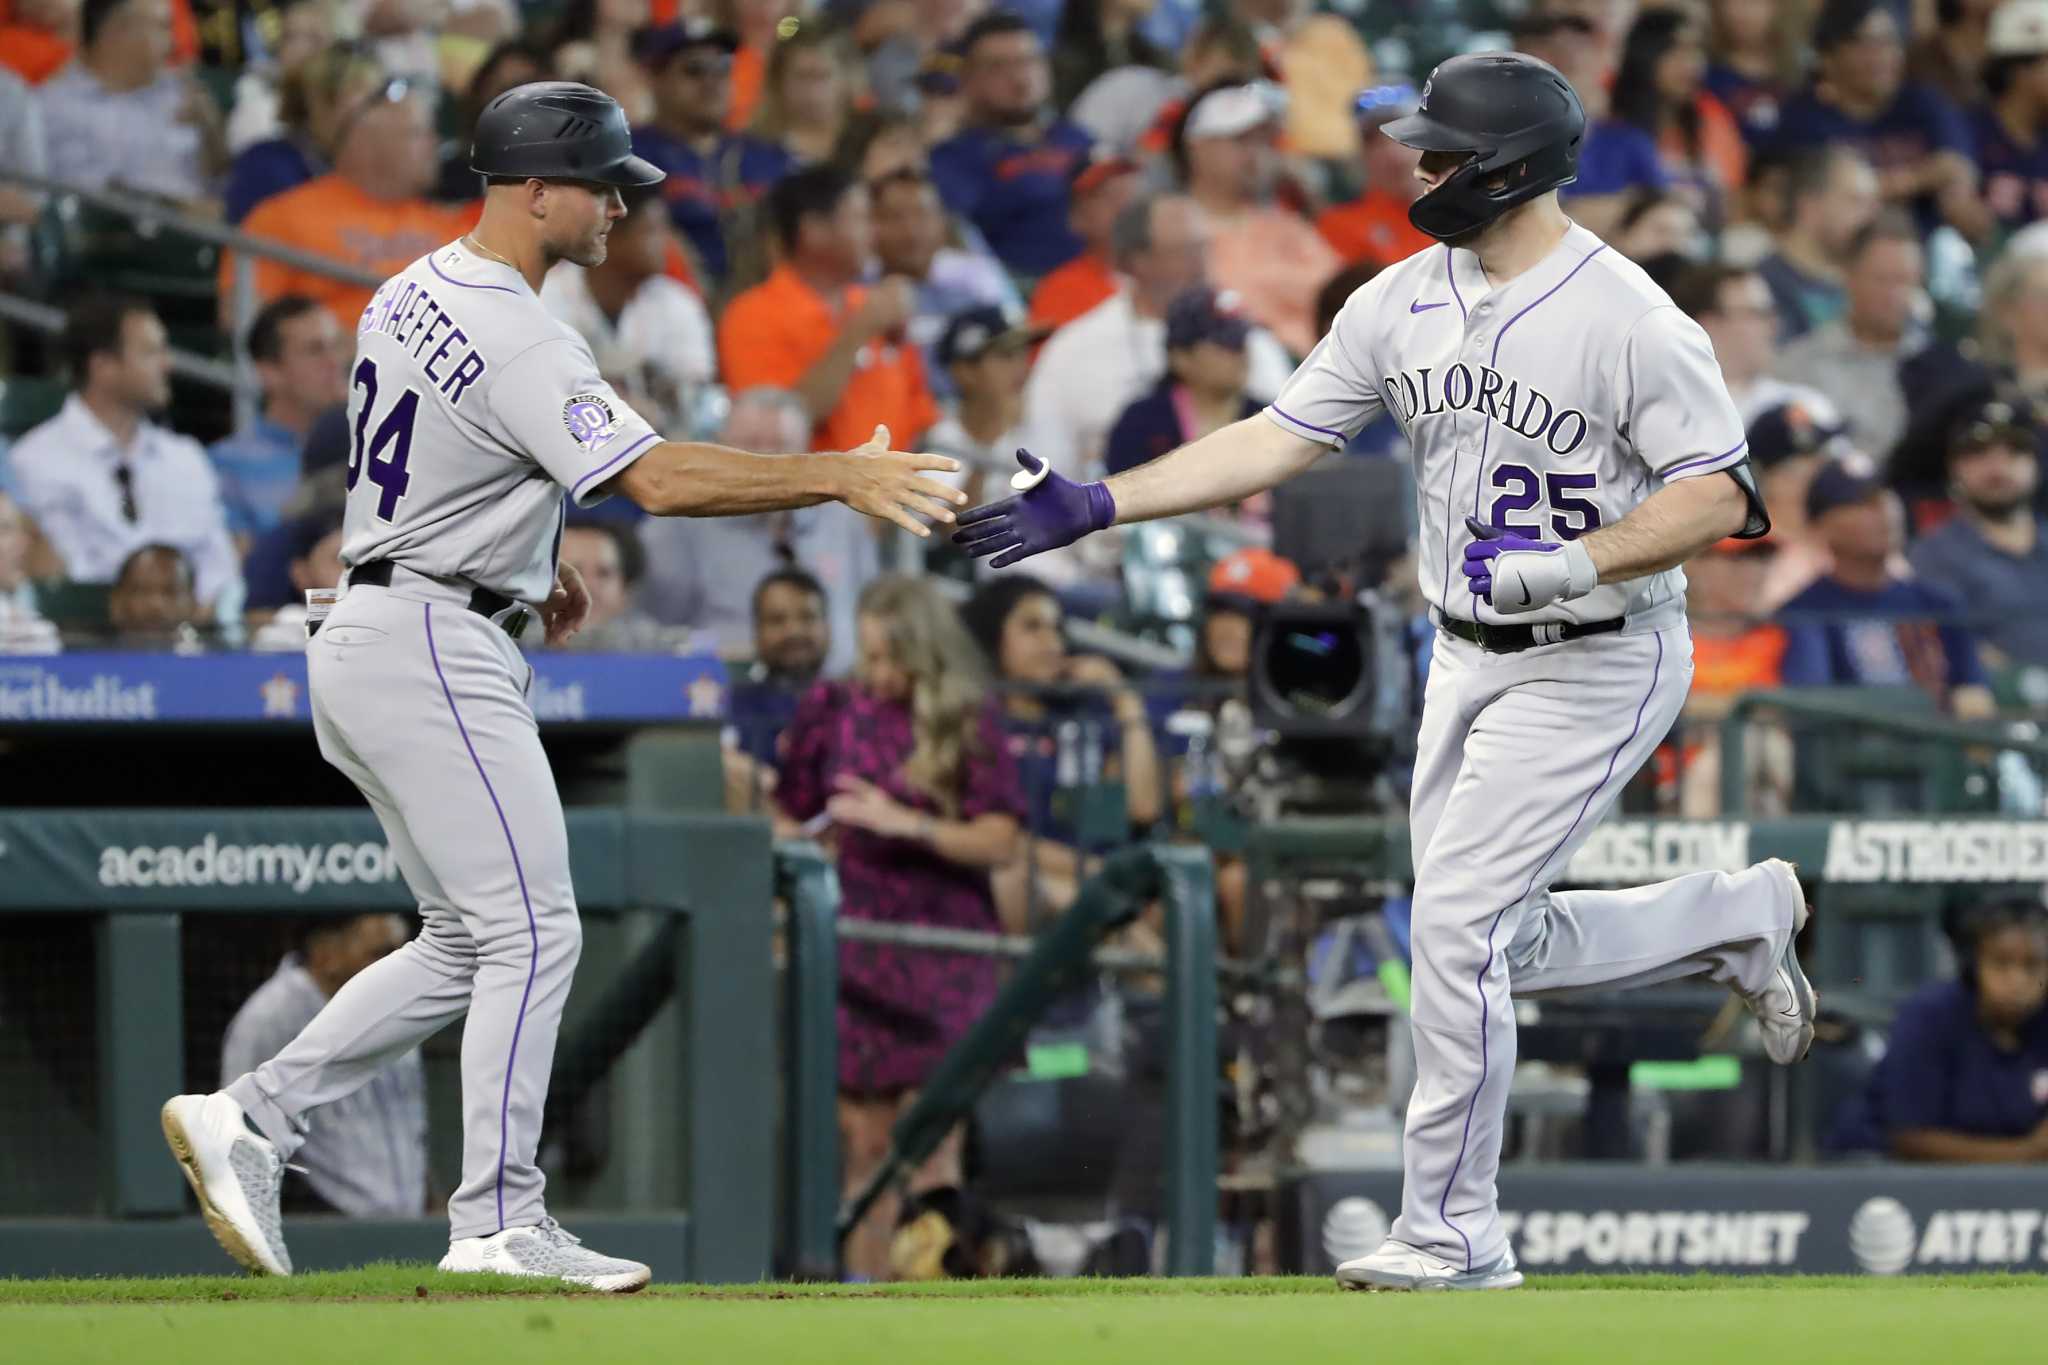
{"x":236,"y":1172}
{"x":1398,"y":1266}
{"x":546,"y":1251}
{"x":1785,"y":1008}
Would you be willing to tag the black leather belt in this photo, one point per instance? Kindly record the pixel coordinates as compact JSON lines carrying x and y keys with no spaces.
{"x":482,"y":601}
{"x":1514,"y":639}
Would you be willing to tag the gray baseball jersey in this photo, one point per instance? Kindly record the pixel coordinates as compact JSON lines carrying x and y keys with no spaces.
{"x":1550,"y":405}
{"x":471,"y":409}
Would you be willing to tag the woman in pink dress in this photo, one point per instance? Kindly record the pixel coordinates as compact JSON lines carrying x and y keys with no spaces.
{"x":908,"y":763}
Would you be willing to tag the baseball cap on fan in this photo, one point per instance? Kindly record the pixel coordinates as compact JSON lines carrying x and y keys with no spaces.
{"x":974,"y":332}
{"x":1793,"y":429}
{"x":1249,"y":579}
{"x":2018,"y":28}
{"x":1236,"y":109}
{"x":1203,"y":314}
{"x":654,"y":46}
{"x":1384,"y":103}
{"x":1843,"y":481}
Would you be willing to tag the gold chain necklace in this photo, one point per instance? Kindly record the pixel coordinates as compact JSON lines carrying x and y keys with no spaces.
{"x":479,"y":246}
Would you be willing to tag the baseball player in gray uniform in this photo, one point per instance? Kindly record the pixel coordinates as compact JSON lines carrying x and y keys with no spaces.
{"x":475,"y":415}
{"x":1573,"y":445}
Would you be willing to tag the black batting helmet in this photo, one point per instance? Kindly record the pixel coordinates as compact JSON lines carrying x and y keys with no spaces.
{"x":1518,"y":119}
{"x":559,"y":130}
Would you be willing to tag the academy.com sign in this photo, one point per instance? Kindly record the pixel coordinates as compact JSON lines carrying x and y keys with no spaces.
{"x":300,"y":867}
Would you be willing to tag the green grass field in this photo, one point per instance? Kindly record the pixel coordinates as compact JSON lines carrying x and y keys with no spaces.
{"x":403,"y":1315}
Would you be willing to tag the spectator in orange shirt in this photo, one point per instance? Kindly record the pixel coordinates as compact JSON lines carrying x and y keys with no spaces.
{"x":37,"y":37}
{"x":1734,"y":651}
{"x":1271,"y":258}
{"x":1100,"y":188}
{"x":811,"y":328}
{"x":1661,"y":89}
{"x":1374,"y":227}
{"x":369,"y":213}
{"x":758,"y":26}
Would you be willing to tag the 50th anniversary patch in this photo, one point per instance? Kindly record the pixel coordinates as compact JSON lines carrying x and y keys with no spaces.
{"x":589,"y":420}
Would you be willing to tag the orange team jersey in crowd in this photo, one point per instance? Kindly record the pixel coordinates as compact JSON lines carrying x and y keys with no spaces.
{"x":330,"y":217}
{"x":1275,"y":262}
{"x":748,"y":68}
{"x":775,"y":332}
{"x":1750,"y":661}
{"x":34,"y":54}
{"x":1072,"y":290}
{"x":1721,"y":146}
{"x":1373,"y":227}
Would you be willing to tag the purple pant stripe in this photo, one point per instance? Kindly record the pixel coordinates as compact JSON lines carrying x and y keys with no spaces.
{"x":1479,"y":981}
{"x":532,"y":929}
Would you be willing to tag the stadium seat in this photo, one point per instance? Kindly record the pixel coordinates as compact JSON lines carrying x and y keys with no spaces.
{"x":27,"y":402}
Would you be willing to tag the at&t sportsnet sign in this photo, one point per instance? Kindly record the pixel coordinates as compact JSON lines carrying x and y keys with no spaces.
{"x":1583,"y":1218}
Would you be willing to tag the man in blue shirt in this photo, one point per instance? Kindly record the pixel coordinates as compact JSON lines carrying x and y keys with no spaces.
{"x":2012,"y":130}
{"x":302,"y":360}
{"x":1860,"y":625}
{"x":1993,"y":554}
{"x":1965,"y":1074}
{"x":1008,"y":171}
{"x":710,"y":171}
{"x":1919,"y":143}
{"x":1616,"y":158}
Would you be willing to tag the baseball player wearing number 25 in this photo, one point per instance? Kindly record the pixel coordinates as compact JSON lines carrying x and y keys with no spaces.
{"x":1573,"y":445}
{"x":476,"y":415}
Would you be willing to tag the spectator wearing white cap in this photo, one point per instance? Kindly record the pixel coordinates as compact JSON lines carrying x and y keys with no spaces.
{"x":1273,"y":260}
{"x":2012,"y":130}
{"x":985,"y":355}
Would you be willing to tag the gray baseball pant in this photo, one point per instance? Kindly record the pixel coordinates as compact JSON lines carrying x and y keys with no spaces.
{"x":422,"y":703}
{"x":1519,"y":757}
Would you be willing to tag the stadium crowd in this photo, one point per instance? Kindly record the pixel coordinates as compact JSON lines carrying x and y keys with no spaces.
{"x":1096,"y":229}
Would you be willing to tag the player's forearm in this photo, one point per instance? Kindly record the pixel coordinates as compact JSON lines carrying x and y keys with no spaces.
{"x":1226,"y":466}
{"x":697,"y":479}
{"x":1942,"y":1144}
{"x":1669,"y":527}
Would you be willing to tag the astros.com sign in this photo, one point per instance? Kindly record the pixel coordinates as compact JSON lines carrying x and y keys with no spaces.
{"x":1631,"y":852}
{"x":1876,"y":1220}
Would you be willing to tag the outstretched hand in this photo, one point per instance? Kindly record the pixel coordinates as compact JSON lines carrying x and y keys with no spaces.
{"x":890,"y":484}
{"x":567,"y":607}
{"x":1048,"y":510}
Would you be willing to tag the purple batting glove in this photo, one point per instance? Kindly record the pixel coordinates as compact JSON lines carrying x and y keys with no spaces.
{"x":1052,"y":512}
{"x":1491,"y":541}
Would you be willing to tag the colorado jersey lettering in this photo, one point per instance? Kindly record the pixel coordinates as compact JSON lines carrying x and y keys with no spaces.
{"x":471,"y":410}
{"x":1551,"y":405}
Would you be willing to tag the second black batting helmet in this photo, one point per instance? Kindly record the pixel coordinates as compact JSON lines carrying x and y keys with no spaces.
{"x":1520,"y":124}
{"x":559,"y":130}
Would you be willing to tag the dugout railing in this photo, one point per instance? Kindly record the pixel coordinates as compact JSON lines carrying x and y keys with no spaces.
{"x":702,"y":1189}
